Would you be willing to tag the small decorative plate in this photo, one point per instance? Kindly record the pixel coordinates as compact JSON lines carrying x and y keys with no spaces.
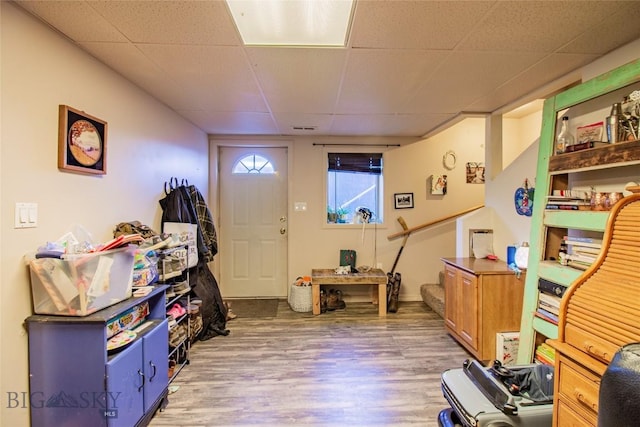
{"x":121,"y":340}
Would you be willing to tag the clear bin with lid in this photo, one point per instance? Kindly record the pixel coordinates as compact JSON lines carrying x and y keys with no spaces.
{"x":81,"y":284}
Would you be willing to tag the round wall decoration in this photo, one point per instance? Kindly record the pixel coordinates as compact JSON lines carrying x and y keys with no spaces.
{"x":449,"y":160}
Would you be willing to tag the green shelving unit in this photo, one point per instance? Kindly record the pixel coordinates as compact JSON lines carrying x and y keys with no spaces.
{"x":586,"y":103}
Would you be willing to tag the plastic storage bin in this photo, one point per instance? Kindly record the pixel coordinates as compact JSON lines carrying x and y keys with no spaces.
{"x":81,"y":284}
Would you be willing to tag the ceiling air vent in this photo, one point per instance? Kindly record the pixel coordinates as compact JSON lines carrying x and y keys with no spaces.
{"x":305,"y":128}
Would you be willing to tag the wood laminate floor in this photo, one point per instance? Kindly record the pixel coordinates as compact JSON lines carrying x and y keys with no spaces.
{"x":342,"y":368}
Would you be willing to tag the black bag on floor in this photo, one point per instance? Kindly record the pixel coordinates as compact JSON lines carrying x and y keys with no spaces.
{"x":619,"y":400}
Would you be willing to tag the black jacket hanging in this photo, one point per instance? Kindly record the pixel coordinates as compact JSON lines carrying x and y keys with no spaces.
{"x":177,"y":206}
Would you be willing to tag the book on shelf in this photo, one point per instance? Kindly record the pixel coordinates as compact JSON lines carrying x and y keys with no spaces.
{"x":551,"y":288}
{"x":550,"y":300}
{"x":584,"y":258}
{"x":548,"y":309}
{"x":547,"y":349}
{"x":579,"y":265}
{"x":567,"y":200}
{"x":545,"y":315}
{"x":554,"y":206}
{"x":542,"y":360}
{"x":586,"y":242}
{"x":571,"y":194}
{"x":545,"y":354}
{"x":585,"y":145}
{"x":582,"y":239}
{"x":584,"y":250}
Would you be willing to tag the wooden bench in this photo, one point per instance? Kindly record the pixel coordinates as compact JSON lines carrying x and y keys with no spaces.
{"x":328,"y":276}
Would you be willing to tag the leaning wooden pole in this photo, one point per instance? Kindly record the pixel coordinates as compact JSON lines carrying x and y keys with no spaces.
{"x":432,"y":222}
{"x":404,"y":242}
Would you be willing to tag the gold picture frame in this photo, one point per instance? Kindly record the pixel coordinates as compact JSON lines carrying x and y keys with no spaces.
{"x":82,"y":142}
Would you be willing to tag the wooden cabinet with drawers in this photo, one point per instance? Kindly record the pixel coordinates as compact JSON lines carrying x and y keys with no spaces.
{"x":482,"y":298}
{"x":598,"y":315}
{"x":577,"y":388}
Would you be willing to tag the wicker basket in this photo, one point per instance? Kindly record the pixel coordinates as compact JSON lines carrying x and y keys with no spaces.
{"x":300,"y":299}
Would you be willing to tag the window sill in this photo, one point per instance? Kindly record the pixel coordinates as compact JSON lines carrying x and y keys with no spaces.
{"x":351,"y":226}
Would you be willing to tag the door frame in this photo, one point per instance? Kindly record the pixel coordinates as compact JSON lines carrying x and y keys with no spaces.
{"x":215,"y":143}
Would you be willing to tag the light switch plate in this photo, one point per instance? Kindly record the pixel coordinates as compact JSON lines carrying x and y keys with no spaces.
{"x":300,"y":206}
{"x":26,"y":215}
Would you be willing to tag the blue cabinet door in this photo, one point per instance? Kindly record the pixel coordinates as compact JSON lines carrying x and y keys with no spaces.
{"x":125,"y":387}
{"x":155,"y":355}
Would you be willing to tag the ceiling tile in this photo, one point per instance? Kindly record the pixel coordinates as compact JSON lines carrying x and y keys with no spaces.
{"x":299,"y":79}
{"x":414,"y":24}
{"x":226,"y":123}
{"x":171,"y":22}
{"x":380,"y":81}
{"x":220,"y":76}
{"x":611,"y":31}
{"x":385,"y":124}
{"x":548,"y":69}
{"x":87,"y":25}
{"x":125,"y":59}
{"x":467,"y":76}
{"x":535,"y":26}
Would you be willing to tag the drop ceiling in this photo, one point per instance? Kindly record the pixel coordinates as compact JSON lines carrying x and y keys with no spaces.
{"x":409,"y":66}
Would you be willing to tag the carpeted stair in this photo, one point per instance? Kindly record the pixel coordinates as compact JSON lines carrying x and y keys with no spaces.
{"x":433,"y":295}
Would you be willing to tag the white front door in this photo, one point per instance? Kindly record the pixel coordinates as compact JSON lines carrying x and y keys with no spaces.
{"x":253,"y":222}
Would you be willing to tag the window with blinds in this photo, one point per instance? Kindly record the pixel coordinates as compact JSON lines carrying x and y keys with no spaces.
{"x":354,"y":188}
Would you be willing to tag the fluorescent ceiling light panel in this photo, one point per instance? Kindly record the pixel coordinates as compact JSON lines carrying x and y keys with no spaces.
{"x":292,"y":22}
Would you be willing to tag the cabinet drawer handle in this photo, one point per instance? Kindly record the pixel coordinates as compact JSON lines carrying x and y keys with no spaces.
{"x":141,"y":385}
{"x":582,"y":398}
{"x":595,"y":351}
{"x":153,"y":368}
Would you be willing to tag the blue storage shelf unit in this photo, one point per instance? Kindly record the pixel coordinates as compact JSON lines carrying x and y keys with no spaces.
{"x":75,"y":380}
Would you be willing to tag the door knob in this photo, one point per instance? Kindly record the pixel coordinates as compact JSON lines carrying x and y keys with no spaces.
{"x":283,"y":230}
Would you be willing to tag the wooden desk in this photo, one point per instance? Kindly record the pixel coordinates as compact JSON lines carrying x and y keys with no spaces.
{"x":328,"y":276}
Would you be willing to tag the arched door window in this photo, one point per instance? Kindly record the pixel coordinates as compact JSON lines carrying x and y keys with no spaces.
{"x":253,"y":163}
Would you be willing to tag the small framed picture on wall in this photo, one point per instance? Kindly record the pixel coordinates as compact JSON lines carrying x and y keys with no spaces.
{"x":475,"y":173}
{"x":403,"y":200}
{"x":439,"y":184}
{"x":82,"y":142}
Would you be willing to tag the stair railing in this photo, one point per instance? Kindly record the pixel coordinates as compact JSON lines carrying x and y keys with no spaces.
{"x":432,"y":222}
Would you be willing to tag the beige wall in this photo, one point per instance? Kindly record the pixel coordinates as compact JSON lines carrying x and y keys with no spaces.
{"x":519,"y":134}
{"x":313,"y":244}
{"x":147,"y":144}
{"x":409,"y":170}
{"x":511,"y":228}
